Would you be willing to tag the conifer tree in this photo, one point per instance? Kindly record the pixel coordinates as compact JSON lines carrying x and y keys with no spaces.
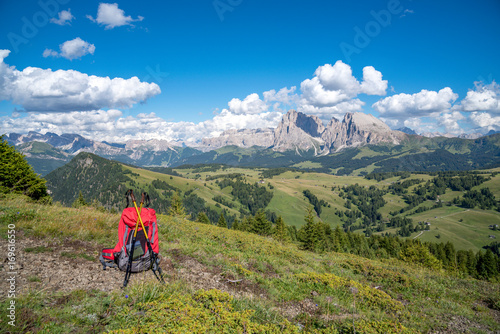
{"x":80,"y":201}
{"x":486,"y":264}
{"x":471,"y":263}
{"x":308,"y":232}
{"x":261,"y":225}
{"x":292,"y":232}
{"x":450,"y":254}
{"x":222,"y":221}
{"x":236,"y":225}
{"x":325,"y":235}
{"x":17,"y":176}
{"x":176,"y":207}
{"x":246,"y":224}
{"x":280,"y":230}
{"x":418,"y":253}
{"x":339,"y":243}
{"x":203,"y":218}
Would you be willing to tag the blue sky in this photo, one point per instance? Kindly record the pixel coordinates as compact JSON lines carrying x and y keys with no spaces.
{"x":202,"y":67}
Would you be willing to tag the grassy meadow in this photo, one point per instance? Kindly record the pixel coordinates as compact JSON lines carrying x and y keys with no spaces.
{"x":264,"y":286}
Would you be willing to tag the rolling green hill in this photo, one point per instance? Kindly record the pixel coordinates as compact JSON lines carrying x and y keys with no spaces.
{"x":237,"y":193}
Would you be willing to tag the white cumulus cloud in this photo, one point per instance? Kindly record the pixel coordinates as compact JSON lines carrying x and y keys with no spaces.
{"x":284,"y":95}
{"x":413,"y":123}
{"x":73,"y":49}
{"x":334,"y":87}
{"x":449,"y":121}
{"x":65,"y":17}
{"x":482,"y":98}
{"x":421,"y":104}
{"x":485,"y":120}
{"x":338,"y":111}
{"x":110,"y":16}
{"x":37,"y":89}
{"x":372,"y":82}
{"x":111,"y":125}
{"x":252,"y":104}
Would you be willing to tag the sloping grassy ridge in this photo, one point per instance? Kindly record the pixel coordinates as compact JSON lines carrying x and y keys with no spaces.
{"x":272,"y":287}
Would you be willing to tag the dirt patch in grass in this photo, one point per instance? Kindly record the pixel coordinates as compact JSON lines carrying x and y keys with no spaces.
{"x":69,"y":265}
{"x":200,"y":276}
{"x":74,"y":265}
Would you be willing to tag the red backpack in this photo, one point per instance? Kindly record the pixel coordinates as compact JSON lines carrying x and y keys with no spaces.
{"x":119,"y":256}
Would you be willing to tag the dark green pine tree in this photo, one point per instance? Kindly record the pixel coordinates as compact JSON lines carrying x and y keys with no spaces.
{"x":308,"y":234}
{"x":246,"y":224}
{"x":203,"y":218}
{"x":327,"y":234}
{"x":281,"y":231}
{"x":80,"y":201}
{"x":487,"y":264}
{"x":236,"y":225}
{"x":17,"y":176}
{"x":261,"y":225}
{"x":471,"y":263}
{"x":339,"y":240}
{"x":222,"y":221}
{"x":450,"y":254}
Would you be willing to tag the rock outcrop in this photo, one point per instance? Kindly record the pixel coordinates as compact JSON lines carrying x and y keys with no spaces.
{"x":241,"y":138}
{"x":358,"y":129}
{"x":298,"y":131}
{"x":302,"y":132}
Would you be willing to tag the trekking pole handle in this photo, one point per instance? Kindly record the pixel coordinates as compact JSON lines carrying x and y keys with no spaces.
{"x":132,"y":195}
{"x":143,"y":196}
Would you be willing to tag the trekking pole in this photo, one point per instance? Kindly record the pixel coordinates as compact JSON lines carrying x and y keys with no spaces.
{"x":131,"y":250}
{"x":154,"y":264}
{"x":153,"y":257}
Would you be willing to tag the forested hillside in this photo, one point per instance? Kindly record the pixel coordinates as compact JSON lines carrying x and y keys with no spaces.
{"x":454,"y":214}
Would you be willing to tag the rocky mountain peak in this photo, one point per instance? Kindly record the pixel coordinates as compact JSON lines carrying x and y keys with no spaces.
{"x":310,"y":124}
{"x":298,"y":131}
{"x":366,"y":122}
{"x":304,"y":132}
{"x":407,"y":130}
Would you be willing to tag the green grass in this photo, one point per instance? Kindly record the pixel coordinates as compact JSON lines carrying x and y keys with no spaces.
{"x":291,"y":208}
{"x":288,"y":290}
{"x":34,"y":278}
{"x":367,"y":152}
{"x":394,"y":203}
{"x":308,"y":164}
{"x":470,"y":233}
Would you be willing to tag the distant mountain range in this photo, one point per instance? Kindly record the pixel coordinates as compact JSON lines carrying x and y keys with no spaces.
{"x":300,"y":140}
